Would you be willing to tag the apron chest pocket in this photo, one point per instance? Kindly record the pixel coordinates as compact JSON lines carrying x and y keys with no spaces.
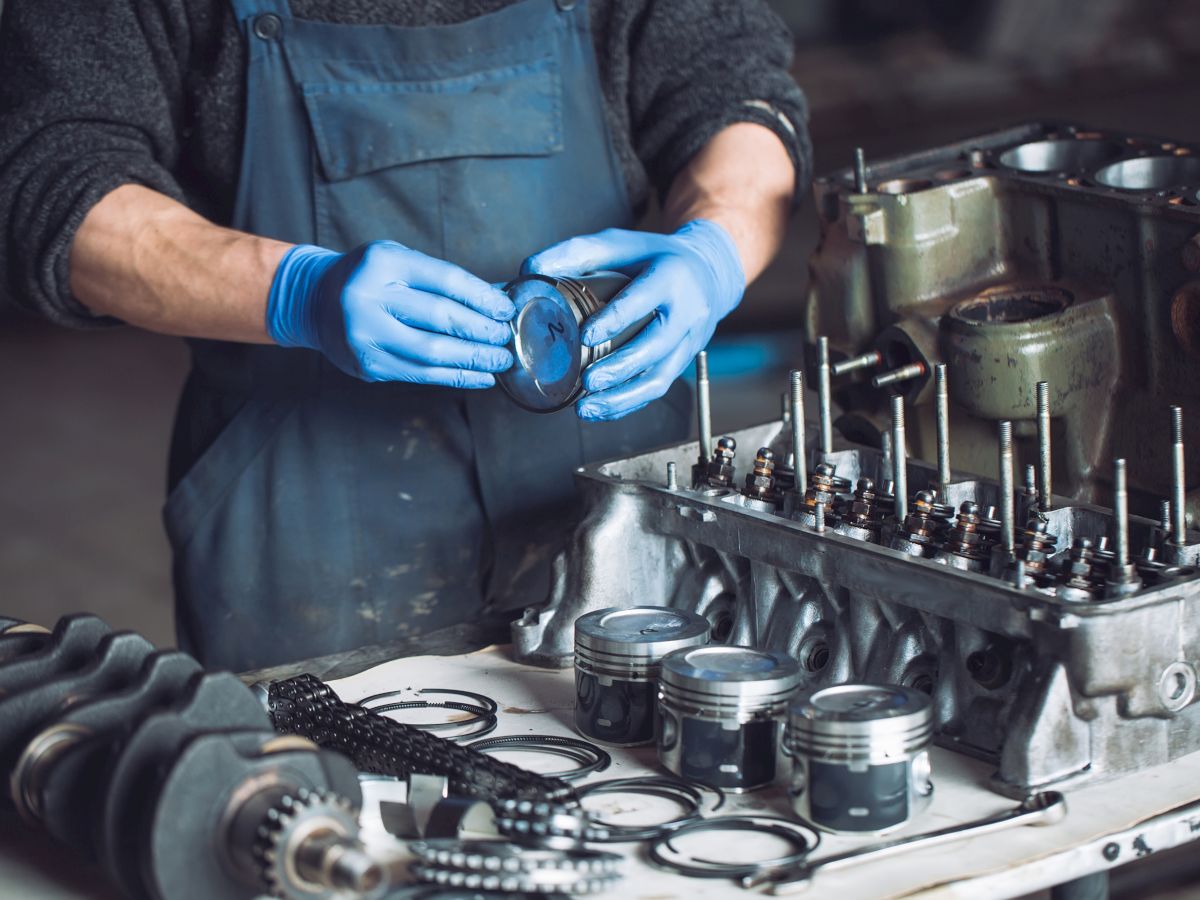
{"x":366,"y":126}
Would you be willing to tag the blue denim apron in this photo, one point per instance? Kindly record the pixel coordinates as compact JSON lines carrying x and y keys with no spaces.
{"x":310,"y":512}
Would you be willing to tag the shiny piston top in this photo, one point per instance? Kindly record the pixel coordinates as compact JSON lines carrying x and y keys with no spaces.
{"x":860,"y":757}
{"x":730,"y":676}
{"x":549,"y":357}
{"x":623,"y":641}
{"x":861,"y":723}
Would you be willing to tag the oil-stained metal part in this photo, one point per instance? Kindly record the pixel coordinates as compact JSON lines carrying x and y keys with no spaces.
{"x":968,"y":542}
{"x":1077,"y":572}
{"x":862,"y":519}
{"x":899,"y":459}
{"x":799,"y":439}
{"x":942,"y":415}
{"x":823,"y":488}
{"x":868,"y":360}
{"x":1035,"y":547}
{"x":802,"y":839}
{"x":1007,"y":504}
{"x":1178,"y":480}
{"x":923,"y":526}
{"x":897,"y":376}
{"x":824,"y":397}
{"x":719,"y":471}
{"x":1044,"y":486}
{"x":590,"y":757}
{"x":760,"y":482}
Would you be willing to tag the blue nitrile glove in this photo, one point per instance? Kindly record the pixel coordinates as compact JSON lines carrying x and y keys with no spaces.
{"x":383,"y":312}
{"x":689,"y":280}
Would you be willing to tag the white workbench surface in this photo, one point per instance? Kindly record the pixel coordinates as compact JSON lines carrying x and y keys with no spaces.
{"x":1144,"y":813}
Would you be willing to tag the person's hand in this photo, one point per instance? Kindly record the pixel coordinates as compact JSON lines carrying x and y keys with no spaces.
{"x":383,"y":312}
{"x":688,"y":280}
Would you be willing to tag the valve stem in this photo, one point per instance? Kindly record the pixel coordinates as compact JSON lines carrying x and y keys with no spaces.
{"x":1043,"y":439}
{"x":1006,"y":489}
{"x":703,"y":407}
{"x":860,"y":171}
{"x":942,"y":395}
{"x":1178,"y":488}
{"x":899,"y":459}
{"x":799,"y":453}
{"x":824,"y":398}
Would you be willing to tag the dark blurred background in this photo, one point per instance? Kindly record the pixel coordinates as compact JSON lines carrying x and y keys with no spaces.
{"x":84,"y":417}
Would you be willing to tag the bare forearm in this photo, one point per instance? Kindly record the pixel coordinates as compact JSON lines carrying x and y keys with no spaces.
{"x":743,"y":179}
{"x":145,"y":259}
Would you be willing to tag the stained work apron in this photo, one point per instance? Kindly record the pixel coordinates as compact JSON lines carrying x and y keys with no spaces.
{"x":311,"y":512}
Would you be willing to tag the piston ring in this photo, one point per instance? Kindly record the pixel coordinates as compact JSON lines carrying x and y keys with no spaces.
{"x":804,"y":839}
{"x":592,"y":758}
{"x":685,"y":794}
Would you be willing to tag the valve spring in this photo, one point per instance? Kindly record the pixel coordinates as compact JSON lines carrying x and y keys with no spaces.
{"x":760,"y":483}
{"x":972,"y":534}
{"x":927,"y":519}
{"x":1035,"y":546}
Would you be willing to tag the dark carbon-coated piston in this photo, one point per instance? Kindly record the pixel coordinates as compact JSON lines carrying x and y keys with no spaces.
{"x":860,"y":757}
{"x":618,"y":654}
{"x":549,"y":356}
{"x":721,"y":714}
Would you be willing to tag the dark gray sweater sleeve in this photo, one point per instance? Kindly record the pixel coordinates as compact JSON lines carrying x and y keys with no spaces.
{"x":700,"y":65}
{"x":90,"y":98}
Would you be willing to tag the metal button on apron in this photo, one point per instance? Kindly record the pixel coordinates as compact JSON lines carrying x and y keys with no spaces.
{"x":267,"y":27}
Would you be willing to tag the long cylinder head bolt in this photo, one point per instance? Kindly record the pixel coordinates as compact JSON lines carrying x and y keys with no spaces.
{"x":799,"y":438}
{"x":824,"y":397}
{"x":942,"y":396}
{"x":900,"y":375}
{"x":868,"y":360}
{"x":719,"y":471}
{"x":860,"y":171}
{"x":1007,"y":511}
{"x":1123,"y":578}
{"x":1178,"y":485}
{"x":1044,"y":487}
{"x":703,"y":421}
{"x":760,"y":483}
{"x":899,"y":459}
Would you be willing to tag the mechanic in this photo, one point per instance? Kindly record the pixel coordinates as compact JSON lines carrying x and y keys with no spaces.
{"x":325,"y":197}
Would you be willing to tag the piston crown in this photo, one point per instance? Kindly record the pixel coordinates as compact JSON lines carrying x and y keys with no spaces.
{"x":722,"y":671}
{"x":863,"y":703}
{"x":645,"y":633}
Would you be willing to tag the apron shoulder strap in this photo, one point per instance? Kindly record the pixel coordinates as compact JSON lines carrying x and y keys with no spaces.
{"x":248,"y":9}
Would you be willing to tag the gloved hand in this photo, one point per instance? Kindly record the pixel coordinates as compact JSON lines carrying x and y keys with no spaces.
{"x":383,"y":312}
{"x":689,"y":280}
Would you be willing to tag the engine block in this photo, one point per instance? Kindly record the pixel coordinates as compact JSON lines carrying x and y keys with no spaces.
{"x":1049,"y":277}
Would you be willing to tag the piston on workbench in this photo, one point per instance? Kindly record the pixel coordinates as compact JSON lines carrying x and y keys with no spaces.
{"x":860,"y":757}
{"x":618,"y":653}
{"x":721,"y":714}
{"x":549,"y":356}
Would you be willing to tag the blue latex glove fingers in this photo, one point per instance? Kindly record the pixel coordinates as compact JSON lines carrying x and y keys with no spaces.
{"x":436,"y":276}
{"x":632,"y":395}
{"x":613,"y":248}
{"x":432,"y":312}
{"x":653,"y":343}
{"x":429,"y":349}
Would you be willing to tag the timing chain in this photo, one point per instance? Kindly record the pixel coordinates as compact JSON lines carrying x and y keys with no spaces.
{"x":306,"y":706}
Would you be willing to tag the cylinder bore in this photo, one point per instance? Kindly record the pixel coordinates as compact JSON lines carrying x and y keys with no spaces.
{"x":1011,"y":304}
{"x":1060,"y":156}
{"x":1151,"y":173}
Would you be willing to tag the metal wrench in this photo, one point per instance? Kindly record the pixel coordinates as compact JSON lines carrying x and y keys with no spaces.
{"x":1046,"y":808}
